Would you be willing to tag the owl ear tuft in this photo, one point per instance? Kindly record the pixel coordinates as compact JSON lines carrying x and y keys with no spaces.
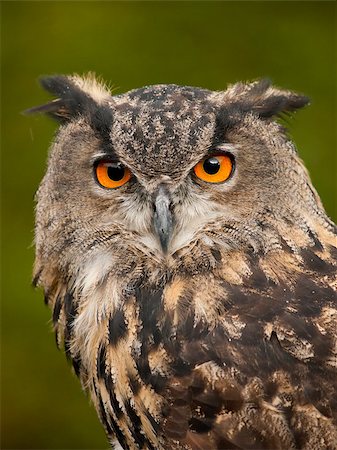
{"x":75,"y":96}
{"x":264,"y":100}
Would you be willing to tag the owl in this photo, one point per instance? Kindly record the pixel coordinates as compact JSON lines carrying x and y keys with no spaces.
{"x":190,"y":266}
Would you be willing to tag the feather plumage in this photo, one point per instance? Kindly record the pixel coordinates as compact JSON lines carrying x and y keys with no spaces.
{"x":227,"y":339}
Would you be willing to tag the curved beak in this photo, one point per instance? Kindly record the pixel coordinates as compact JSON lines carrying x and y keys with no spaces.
{"x":162,"y":218}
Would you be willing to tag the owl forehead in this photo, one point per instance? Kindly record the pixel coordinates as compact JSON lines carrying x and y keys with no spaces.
{"x":163,"y":129}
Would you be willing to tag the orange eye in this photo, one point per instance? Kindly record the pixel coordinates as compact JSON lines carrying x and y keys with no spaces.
{"x":112,"y":174}
{"x":214,"y":168}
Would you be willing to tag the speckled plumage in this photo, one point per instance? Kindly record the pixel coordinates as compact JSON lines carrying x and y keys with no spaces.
{"x":229,"y":339}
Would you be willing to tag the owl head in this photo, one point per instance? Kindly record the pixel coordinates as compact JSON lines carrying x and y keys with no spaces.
{"x":169,"y":172}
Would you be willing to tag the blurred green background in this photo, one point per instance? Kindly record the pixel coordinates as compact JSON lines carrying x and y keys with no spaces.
{"x":130,"y":44}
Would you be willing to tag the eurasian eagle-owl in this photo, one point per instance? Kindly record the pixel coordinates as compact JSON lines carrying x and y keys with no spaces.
{"x":190,"y":266}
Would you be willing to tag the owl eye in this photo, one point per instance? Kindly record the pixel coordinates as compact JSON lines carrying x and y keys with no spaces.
{"x":215,"y":168}
{"x":112,"y":174}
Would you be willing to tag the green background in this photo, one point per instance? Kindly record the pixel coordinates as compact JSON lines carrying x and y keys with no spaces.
{"x":130,"y":44}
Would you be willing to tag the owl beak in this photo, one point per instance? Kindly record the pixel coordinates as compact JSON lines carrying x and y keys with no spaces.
{"x":162,"y":219}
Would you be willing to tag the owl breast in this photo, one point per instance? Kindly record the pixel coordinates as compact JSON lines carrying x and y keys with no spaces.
{"x":204,"y":360}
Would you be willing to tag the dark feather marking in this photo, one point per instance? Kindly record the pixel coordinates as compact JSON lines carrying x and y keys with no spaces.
{"x":103,"y":416}
{"x":275,"y":356}
{"x":101,"y":120}
{"x":315,"y":263}
{"x":254,"y":348}
{"x":101,"y":361}
{"x":56,"y":109}
{"x":118,"y":433}
{"x":200,"y":425}
{"x":185,"y":312}
{"x":134,"y":384}
{"x":94,"y":386}
{"x":314,"y":395}
{"x":143,"y":367}
{"x":67,"y":345}
{"x":270,"y":389}
{"x":302,"y":327}
{"x":273,"y":104}
{"x":197,"y":384}
{"x":224,"y":444}
{"x":198,"y":330}
{"x":313,"y":236}
{"x":226,"y":119}
{"x":169,"y":340}
{"x":255,"y":101}
{"x":333,"y":252}
{"x":36,"y":278}
{"x":149,"y":300}
{"x":285,"y":246}
{"x":57,"y":310}
{"x":216,"y":254}
{"x":157,"y":337}
{"x":209,"y":401}
{"x":100,"y":240}
{"x":156,"y":427}
{"x":258,"y":278}
{"x":181,"y":367}
{"x":110,"y":424}
{"x":73,"y":102}
{"x":197,"y":352}
{"x":70,"y":309}
{"x":158,"y":382}
{"x":276,"y":104}
{"x":69,"y":306}
{"x":46,"y":298}
{"x":109,"y":384}
{"x":136,"y":429}
{"x":232,"y":405}
{"x":300,"y":438}
{"x":57,"y":339}
{"x":259,"y":307}
{"x":249,"y":439}
{"x":117,"y":327}
{"x":315,"y":294}
{"x":236,"y":295}
{"x":77,"y":364}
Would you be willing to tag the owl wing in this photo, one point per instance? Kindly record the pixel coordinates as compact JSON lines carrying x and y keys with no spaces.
{"x":264,"y":376}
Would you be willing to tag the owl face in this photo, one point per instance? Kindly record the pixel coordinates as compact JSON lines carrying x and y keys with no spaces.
{"x":160,"y":168}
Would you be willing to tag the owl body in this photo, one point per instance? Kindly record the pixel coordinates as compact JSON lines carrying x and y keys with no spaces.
{"x":198,"y":314}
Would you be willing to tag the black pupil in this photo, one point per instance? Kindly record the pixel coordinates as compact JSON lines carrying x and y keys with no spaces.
{"x":115,"y":171}
{"x":211,"y":166}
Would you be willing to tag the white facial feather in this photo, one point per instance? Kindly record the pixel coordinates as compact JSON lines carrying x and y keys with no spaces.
{"x":93,"y":271}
